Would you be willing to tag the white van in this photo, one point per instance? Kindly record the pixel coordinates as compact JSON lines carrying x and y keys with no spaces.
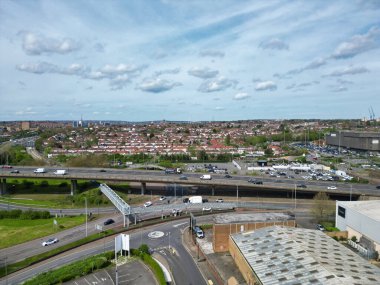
{"x":206,"y":177}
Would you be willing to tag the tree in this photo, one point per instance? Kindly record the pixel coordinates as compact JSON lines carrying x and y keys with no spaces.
{"x":322,"y":207}
{"x":227,"y":140}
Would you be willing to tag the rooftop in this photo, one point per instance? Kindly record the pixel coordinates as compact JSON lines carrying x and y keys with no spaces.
{"x":252,"y":217}
{"x":281,"y":255}
{"x":369,"y":208}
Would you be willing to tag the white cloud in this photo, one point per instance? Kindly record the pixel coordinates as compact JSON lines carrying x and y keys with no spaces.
{"x":266,"y":85}
{"x":274,"y":43}
{"x":219,"y":108}
{"x":167,"y":71}
{"x":157,"y":85}
{"x":241,"y":96}
{"x":316,"y":63}
{"x":349,"y":70}
{"x":35,"y":44}
{"x":121,"y":68}
{"x":358,"y":44}
{"x":218,"y":84}
{"x":204,"y":72}
{"x":212,"y":53}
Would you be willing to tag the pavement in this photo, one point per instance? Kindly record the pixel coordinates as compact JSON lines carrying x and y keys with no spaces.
{"x":131,"y":273}
{"x":215,"y":267}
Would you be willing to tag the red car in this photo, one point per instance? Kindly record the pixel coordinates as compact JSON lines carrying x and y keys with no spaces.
{"x":6,"y":166}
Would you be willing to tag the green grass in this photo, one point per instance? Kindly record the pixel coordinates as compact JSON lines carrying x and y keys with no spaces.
{"x":16,"y":231}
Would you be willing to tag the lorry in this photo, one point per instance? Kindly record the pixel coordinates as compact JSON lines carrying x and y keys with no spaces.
{"x":173,"y":171}
{"x":60,"y":172}
{"x":39,"y":170}
{"x":205,"y":177}
{"x":196,"y":200}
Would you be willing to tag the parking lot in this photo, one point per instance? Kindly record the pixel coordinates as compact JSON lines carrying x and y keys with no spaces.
{"x":132,"y":273}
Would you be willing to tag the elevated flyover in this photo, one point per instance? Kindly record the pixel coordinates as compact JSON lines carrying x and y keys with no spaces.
{"x":145,"y":176}
{"x":128,"y":211}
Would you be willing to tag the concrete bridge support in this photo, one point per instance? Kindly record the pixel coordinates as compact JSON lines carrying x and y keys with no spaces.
{"x":74,"y":187}
{"x":3,"y":186}
{"x":143,"y":188}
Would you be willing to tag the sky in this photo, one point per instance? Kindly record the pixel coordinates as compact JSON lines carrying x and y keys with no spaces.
{"x":144,"y":60}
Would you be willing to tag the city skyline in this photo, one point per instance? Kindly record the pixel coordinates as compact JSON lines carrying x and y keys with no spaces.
{"x":189,"y":61}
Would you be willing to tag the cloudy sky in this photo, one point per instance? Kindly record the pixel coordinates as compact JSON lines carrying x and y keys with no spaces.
{"x":188,"y":60}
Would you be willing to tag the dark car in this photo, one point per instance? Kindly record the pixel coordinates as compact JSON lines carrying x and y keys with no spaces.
{"x":227,"y":176}
{"x":15,"y":171}
{"x":301,"y":186}
{"x":108,"y":222}
{"x":102,"y":170}
{"x":254,"y":181}
{"x":183,"y":177}
{"x":378,"y":187}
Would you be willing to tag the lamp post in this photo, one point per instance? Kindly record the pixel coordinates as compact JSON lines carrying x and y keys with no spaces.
{"x":85,"y":202}
{"x":169,"y":240}
{"x":295,"y":196}
{"x":237,"y":194}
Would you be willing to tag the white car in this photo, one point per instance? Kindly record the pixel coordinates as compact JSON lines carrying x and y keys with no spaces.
{"x":162,"y":198}
{"x":147,"y":204}
{"x":206,"y":209}
{"x":331,"y":188}
{"x":50,"y":241}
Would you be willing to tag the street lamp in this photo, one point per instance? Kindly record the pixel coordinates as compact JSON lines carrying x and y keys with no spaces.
{"x":169,"y":240}
{"x":295,"y":196}
{"x":85,"y":202}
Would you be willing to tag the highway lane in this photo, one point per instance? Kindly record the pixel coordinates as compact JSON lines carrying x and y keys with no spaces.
{"x":150,"y":176}
{"x":184,"y":269}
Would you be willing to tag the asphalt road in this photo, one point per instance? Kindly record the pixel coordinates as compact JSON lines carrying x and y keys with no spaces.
{"x":193,"y":179}
{"x":182,"y":265}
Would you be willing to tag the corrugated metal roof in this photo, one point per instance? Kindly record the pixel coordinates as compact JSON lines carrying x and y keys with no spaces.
{"x":282,"y":255}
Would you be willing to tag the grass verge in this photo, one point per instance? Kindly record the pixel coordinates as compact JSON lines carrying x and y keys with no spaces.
{"x":16,"y":231}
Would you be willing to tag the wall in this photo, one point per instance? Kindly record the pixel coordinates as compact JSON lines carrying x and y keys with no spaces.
{"x":241,"y":263}
{"x":222,"y":232}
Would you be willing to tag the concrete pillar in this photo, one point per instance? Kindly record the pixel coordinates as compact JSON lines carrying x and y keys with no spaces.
{"x":3,"y":186}
{"x":143,"y":188}
{"x":74,"y":186}
{"x":213,"y":190}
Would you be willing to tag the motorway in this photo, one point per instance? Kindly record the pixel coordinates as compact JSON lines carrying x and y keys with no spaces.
{"x":149,"y":176}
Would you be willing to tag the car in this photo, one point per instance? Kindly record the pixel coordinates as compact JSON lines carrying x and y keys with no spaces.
{"x":301,"y":186}
{"x":7,"y":166}
{"x":199,"y":232}
{"x":378,"y":187}
{"x":162,"y":198}
{"x":320,"y":227}
{"x":254,"y":181}
{"x":206,"y":209}
{"x":227,"y":176}
{"x":50,"y":241}
{"x":108,"y":222}
{"x":183,"y":177}
{"x":102,"y":170}
{"x":147,"y":204}
{"x":15,"y":171}
{"x":331,"y":188}
{"x":220,"y":200}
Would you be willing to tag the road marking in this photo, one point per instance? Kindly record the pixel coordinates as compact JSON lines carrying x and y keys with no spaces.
{"x":177,"y":225}
{"x":96,"y":277}
{"x":87,"y":281}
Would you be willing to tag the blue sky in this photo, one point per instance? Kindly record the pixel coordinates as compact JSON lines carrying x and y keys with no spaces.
{"x":188,"y":60}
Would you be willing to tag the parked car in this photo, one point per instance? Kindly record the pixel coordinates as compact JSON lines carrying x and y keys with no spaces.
{"x":108,"y":222}
{"x":199,"y":232}
{"x":220,"y":200}
{"x":147,"y":204}
{"x":320,"y":227}
{"x":15,"y":171}
{"x":162,"y":198}
{"x":331,"y":188}
{"x":50,"y":241}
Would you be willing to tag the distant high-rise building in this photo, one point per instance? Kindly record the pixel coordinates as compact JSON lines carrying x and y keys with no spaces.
{"x":25,"y":126}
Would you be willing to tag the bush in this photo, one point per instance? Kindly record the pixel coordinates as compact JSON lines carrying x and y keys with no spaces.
{"x":354,"y":239}
{"x":144,"y":249}
{"x":44,"y":184}
{"x":63,"y":184}
{"x":24,"y":215}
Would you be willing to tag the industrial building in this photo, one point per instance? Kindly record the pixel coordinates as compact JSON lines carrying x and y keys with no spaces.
{"x":227,"y":224}
{"x":362,"y":220}
{"x":286,"y":255}
{"x":368,"y":141}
